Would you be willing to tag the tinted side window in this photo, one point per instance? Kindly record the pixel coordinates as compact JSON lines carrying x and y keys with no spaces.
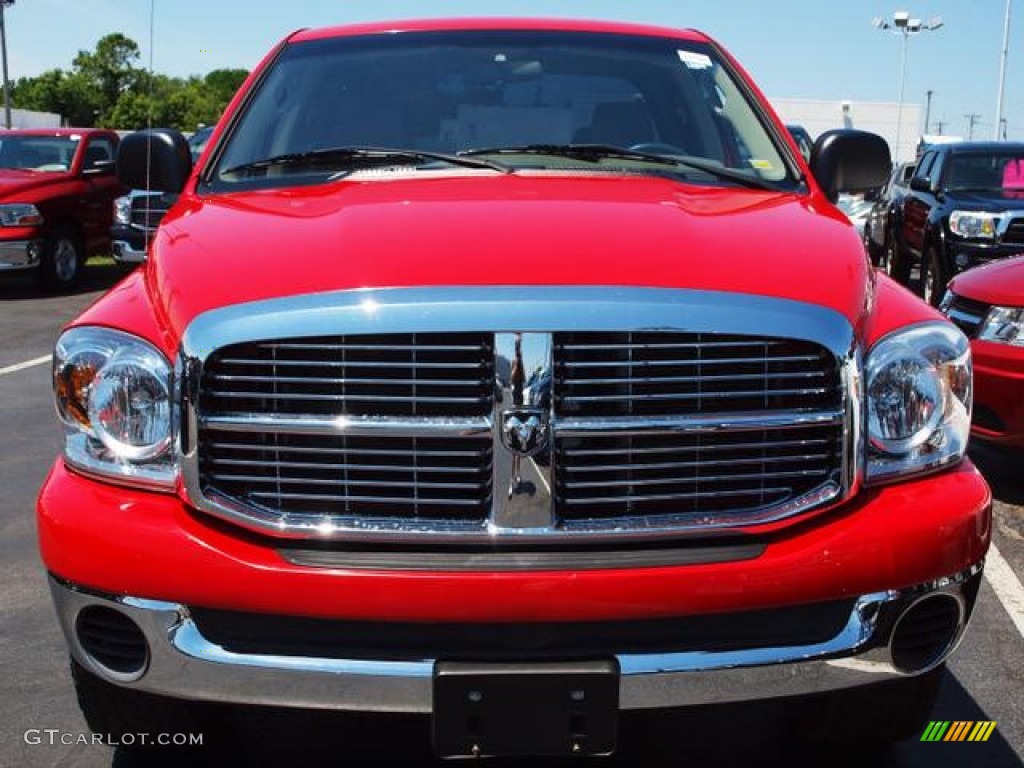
{"x":936,"y":170}
{"x":924,"y":167}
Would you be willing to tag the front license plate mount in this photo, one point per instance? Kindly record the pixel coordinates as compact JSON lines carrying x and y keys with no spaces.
{"x":525,"y":709}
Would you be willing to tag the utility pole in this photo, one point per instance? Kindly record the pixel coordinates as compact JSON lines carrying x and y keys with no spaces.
{"x":939,"y":126}
{"x":972,"y":118}
{"x":3,"y":46}
{"x":927,"y":109}
{"x":1002,"y":71}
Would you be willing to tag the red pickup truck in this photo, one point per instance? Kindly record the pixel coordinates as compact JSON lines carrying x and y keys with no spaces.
{"x":515,"y":373}
{"x":56,"y":191}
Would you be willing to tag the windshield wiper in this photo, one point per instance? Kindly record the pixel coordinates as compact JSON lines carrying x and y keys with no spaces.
{"x":362,"y":157}
{"x":594,"y":153}
{"x":588,"y":153}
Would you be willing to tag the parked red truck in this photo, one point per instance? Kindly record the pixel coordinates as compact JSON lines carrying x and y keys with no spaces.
{"x":56,"y":191}
{"x":515,"y":373}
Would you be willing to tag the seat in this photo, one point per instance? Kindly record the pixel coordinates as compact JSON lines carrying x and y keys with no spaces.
{"x":619,"y":123}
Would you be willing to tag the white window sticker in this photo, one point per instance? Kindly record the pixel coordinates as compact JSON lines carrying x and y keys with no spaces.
{"x":695,"y":60}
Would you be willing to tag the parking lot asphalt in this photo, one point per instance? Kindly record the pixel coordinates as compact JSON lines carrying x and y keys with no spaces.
{"x":40,"y":724}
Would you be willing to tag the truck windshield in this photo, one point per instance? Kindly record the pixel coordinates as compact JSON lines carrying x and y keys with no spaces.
{"x":37,"y":153}
{"x":487,"y":93}
{"x":1003,"y":170}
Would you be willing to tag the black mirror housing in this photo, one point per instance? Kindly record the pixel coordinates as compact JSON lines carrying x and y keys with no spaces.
{"x":845,"y":160}
{"x":921,"y":184}
{"x":156,"y":159}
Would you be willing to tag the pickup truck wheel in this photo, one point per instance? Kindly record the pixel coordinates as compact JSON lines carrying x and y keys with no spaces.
{"x":61,"y":264}
{"x":874,"y":716}
{"x":113,"y":711}
{"x":933,"y":277}
{"x":897,"y":260}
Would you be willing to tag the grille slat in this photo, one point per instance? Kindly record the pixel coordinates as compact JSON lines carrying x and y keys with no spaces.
{"x":635,"y":467}
{"x":694,"y":395}
{"x":1014,"y":234}
{"x":712,"y":479}
{"x":693,"y":379}
{"x":759,"y":493}
{"x":685,"y":362}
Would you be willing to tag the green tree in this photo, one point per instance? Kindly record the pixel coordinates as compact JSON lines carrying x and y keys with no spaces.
{"x":105,"y":87}
{"x":223,"y":83}
{"x":69,"y":94}
{"x":110,"y":68}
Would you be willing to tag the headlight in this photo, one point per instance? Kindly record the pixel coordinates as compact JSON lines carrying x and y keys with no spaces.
{"x":974,"y":225}
{"x":918,"y":384}
{"x":1004,"y":325}
{"x":123,"y":210}
{"x":114,"y":398}
{"x":19,"y":215}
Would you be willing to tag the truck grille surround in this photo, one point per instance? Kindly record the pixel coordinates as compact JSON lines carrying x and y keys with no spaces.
{"x":539,"y":434}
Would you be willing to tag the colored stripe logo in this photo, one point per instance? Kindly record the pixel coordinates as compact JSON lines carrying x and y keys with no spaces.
{"x":958,"y":730}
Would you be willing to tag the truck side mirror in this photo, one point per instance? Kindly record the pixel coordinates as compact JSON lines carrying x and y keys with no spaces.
{"x":157,"y":159}
{"x":845,"y":160}
{"x":921,"y":184}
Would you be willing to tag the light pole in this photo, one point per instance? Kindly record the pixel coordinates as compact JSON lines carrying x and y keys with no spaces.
{"x":904,"y":26}
{"x":3,"y":47}
{"x":1002,"y":71}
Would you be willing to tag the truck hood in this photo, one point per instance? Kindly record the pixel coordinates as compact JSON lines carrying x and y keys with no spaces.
{"x":988,"y":200}
{"x":522,"y":229}
{"x":1000,"y":283}
{"x":17,"y":181}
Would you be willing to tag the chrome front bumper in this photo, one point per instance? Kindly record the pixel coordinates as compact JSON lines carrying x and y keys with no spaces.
{"x":124,"y":253}
{"x":182,"y":663}
{"x":17,"y":255}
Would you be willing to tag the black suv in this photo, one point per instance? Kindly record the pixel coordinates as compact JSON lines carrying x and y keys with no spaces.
{"x":965,"y":207}
{"x":883,"y":221}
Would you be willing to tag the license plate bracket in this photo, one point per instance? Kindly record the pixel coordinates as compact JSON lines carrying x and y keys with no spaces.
{"x":525,"y":709}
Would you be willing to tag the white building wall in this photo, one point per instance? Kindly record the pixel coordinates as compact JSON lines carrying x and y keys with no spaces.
{"x":24,"y":118}
{"x":877,"y":117}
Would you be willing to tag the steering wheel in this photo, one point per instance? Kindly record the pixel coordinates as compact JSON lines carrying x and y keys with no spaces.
{"x":657,"y":148}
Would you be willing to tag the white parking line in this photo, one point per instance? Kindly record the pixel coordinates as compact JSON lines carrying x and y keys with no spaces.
{"x":26,"y":364}
{"x":1006,"y":586}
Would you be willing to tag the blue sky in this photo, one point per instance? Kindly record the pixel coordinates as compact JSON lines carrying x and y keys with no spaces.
{"x":818,"y":49}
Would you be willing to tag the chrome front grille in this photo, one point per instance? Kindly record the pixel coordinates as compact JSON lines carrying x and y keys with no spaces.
{"x":659,"y":373}
{"x":709,"y":475}
{"x":380,"y":375}
{"x":147,"y":210}
{"x":568,"y":428}
{"x":383,"y":477}
{"x":1014,"y":234}
{"x":966,"y":313}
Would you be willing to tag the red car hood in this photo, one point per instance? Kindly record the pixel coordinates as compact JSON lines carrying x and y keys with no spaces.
{"x":1001,"y":283}
{"x":17,"y":181}
{"x":522,"y":229}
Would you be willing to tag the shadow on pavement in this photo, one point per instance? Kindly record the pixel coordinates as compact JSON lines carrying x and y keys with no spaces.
{"x":730,"y":735}
{"x":1002,"y":468}
{"x":95,"y":277}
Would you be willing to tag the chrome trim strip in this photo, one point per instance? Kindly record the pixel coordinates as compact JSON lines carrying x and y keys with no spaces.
{"x":487,"y":562}
{"x":671,"y":425}
{"x":185,"y":664}
{"x":530,"y":311}
{"x":354,"y":426}
{"x":503,"y":309}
